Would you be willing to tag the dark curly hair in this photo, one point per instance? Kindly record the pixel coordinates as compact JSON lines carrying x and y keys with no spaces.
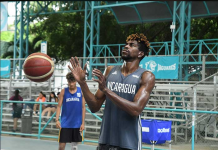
{"x":143,"y":42}
{"x":70,"y":77}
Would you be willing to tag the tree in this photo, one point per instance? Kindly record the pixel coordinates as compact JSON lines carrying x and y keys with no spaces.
{"x":63,"y":33}
{"x":33,"y":47}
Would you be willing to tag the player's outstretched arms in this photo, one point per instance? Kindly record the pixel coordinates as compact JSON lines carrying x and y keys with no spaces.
{"x":94,"y":101}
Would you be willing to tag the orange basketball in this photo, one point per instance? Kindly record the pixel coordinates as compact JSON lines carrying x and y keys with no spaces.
{"x":38,"y":67}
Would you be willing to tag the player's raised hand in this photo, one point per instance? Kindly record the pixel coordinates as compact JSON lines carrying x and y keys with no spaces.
{"x":101,"y":79}
{"x":77,"y":71}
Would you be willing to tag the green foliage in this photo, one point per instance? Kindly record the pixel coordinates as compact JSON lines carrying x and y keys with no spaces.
{"x":204,"y":28}
{"x":7,"y":36}
{"x":63,"y":33}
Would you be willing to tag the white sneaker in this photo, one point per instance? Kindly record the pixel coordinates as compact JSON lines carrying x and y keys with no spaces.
{"x":34,"y":113}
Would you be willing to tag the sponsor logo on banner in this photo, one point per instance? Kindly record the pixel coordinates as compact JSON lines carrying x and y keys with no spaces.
{"x":171,"y":67}
{"x":162,"y":67}
{"x":163,"y":130}
{"x":153,"y":66}
{"x":4,"y":68}
{"x":150,"y":66}
{"x":145,"y":129}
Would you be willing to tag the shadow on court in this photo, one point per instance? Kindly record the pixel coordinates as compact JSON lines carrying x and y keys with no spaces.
{"x":19,"y":143}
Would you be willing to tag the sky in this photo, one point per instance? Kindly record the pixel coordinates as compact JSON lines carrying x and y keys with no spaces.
{"x":11,"y":13}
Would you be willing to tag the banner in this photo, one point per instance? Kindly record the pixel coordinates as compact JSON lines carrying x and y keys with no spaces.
{"x":44,"y":47}
{"x":156,"y":130}
{"x":162,"y":67}
{"x":4,"y":16}
{"x":5,"y":68}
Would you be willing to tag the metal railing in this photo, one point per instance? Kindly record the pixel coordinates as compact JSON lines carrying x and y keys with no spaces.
{"x":40,"y":119}
{"x":191,"y":60}
{"x":146,"y":108}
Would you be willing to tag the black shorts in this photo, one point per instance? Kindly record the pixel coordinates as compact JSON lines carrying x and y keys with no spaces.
{"x":17,"y":112}
{"x":109,"y":147}
{"x":68,"y":135}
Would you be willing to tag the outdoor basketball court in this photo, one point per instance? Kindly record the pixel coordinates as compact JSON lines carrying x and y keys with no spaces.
{"x":22,"y":143}
{"x":26,"y":143}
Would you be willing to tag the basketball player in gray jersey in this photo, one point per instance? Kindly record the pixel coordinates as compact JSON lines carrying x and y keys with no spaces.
{"x":126,"y":90}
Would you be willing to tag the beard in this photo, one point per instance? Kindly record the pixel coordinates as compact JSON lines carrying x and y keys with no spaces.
{"x":126,"y":58}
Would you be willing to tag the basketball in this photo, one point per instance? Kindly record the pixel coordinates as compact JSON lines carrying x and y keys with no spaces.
{"x":38,"y":67}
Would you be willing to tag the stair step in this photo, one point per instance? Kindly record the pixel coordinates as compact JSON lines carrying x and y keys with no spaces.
{"x":210,"y":138}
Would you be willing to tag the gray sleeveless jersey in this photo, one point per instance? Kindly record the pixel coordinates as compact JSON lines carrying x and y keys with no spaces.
{"x":119,"y":128}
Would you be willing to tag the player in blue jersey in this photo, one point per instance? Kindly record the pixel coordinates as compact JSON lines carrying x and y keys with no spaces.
{"x":72,"y":101}
{"x":126,"y":90}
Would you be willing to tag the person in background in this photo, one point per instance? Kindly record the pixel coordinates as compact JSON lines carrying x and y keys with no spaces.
{"x":50,"y":108}
{"x":58,"y":94}
{"x":41,"y":98}
{"x":73,"y":114}
{"x":17,"y":108}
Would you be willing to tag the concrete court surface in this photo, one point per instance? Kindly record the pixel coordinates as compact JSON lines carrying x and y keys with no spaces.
{"x":19,"y":143}
{"x":24,"y":143}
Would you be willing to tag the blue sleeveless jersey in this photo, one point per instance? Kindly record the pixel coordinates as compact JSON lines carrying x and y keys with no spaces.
{"x":119,"y":128}
{"x":71,"y":115}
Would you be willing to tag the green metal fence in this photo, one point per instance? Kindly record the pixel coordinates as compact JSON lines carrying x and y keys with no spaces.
{"x":92,"y":141}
